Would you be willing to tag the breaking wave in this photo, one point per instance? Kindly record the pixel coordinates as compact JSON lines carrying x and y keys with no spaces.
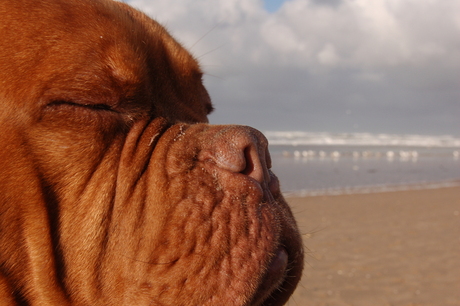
{"x":295,"y":138}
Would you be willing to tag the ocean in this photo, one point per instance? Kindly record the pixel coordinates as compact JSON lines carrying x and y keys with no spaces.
{"x":327,"y":163}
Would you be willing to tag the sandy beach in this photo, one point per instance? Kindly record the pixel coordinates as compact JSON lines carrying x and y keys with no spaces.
{"x":394,"y":248}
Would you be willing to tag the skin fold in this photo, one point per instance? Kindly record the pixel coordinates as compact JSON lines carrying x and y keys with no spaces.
{"x":114,"y":189}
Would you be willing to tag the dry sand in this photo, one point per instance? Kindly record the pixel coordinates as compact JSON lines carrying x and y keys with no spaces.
{"x":395,"y":248}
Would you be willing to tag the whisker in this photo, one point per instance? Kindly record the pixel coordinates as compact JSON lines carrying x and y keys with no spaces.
{"x":217,"y":48}
{"x":215,"y":76}
{"x":204,"y":35}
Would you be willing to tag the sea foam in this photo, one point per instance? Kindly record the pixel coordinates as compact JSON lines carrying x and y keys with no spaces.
{"x":296,"y":138}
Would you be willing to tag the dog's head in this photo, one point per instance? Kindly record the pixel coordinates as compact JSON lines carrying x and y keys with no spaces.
{"x":117,"y":191}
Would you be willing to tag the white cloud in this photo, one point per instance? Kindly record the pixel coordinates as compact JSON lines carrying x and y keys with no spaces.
{"x":281,"y":38}
{"x":328,"y":51}
{"x":328,"y":55}
{"x":354,"y":33}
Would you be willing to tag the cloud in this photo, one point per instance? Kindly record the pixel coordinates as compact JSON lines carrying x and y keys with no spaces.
{"x":325,"y":65}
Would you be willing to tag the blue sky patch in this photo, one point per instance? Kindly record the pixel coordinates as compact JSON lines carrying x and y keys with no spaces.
{"x":273,"y":5}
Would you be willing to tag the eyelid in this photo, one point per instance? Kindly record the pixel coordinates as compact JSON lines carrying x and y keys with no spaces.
{"x":100,"y":106}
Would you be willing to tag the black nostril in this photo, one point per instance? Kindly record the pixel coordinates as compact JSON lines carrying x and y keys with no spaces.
{"x":240,"y":150}
{"x":249,"y":165}
{"x":255,"y":165}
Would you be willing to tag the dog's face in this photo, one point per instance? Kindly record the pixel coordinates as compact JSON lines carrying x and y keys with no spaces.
{"x":137,"y":199}
{"x":81,"y":55}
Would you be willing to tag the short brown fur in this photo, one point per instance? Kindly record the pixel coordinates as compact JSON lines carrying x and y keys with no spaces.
{"x":114,"y":190}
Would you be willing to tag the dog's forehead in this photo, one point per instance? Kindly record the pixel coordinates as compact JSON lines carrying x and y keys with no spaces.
{"x":98,"y":52}
{"x":112,"y":31}
{"x":154,"y":36}
{"x":159,"y":50}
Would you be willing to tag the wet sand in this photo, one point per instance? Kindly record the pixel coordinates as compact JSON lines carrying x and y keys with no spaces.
{"x":394,"y":248}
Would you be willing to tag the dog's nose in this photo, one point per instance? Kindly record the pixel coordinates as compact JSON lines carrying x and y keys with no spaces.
{"x":246,"y":152}
{"x":241,"y":149}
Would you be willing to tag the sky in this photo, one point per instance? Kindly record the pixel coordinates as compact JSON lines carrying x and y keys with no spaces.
{"x":340,"y":66}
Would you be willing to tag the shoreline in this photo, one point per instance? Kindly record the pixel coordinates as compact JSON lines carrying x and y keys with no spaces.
{"x":382,"y":188}
{"x":396,"y":248}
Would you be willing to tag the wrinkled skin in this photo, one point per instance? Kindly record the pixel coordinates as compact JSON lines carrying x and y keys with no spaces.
{"x":114,"y":190}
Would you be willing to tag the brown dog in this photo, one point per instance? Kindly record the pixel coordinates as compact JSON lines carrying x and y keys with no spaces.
{"x":113,"y":189}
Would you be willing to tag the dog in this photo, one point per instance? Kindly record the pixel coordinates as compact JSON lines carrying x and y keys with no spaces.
{"x":114,"y":189}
